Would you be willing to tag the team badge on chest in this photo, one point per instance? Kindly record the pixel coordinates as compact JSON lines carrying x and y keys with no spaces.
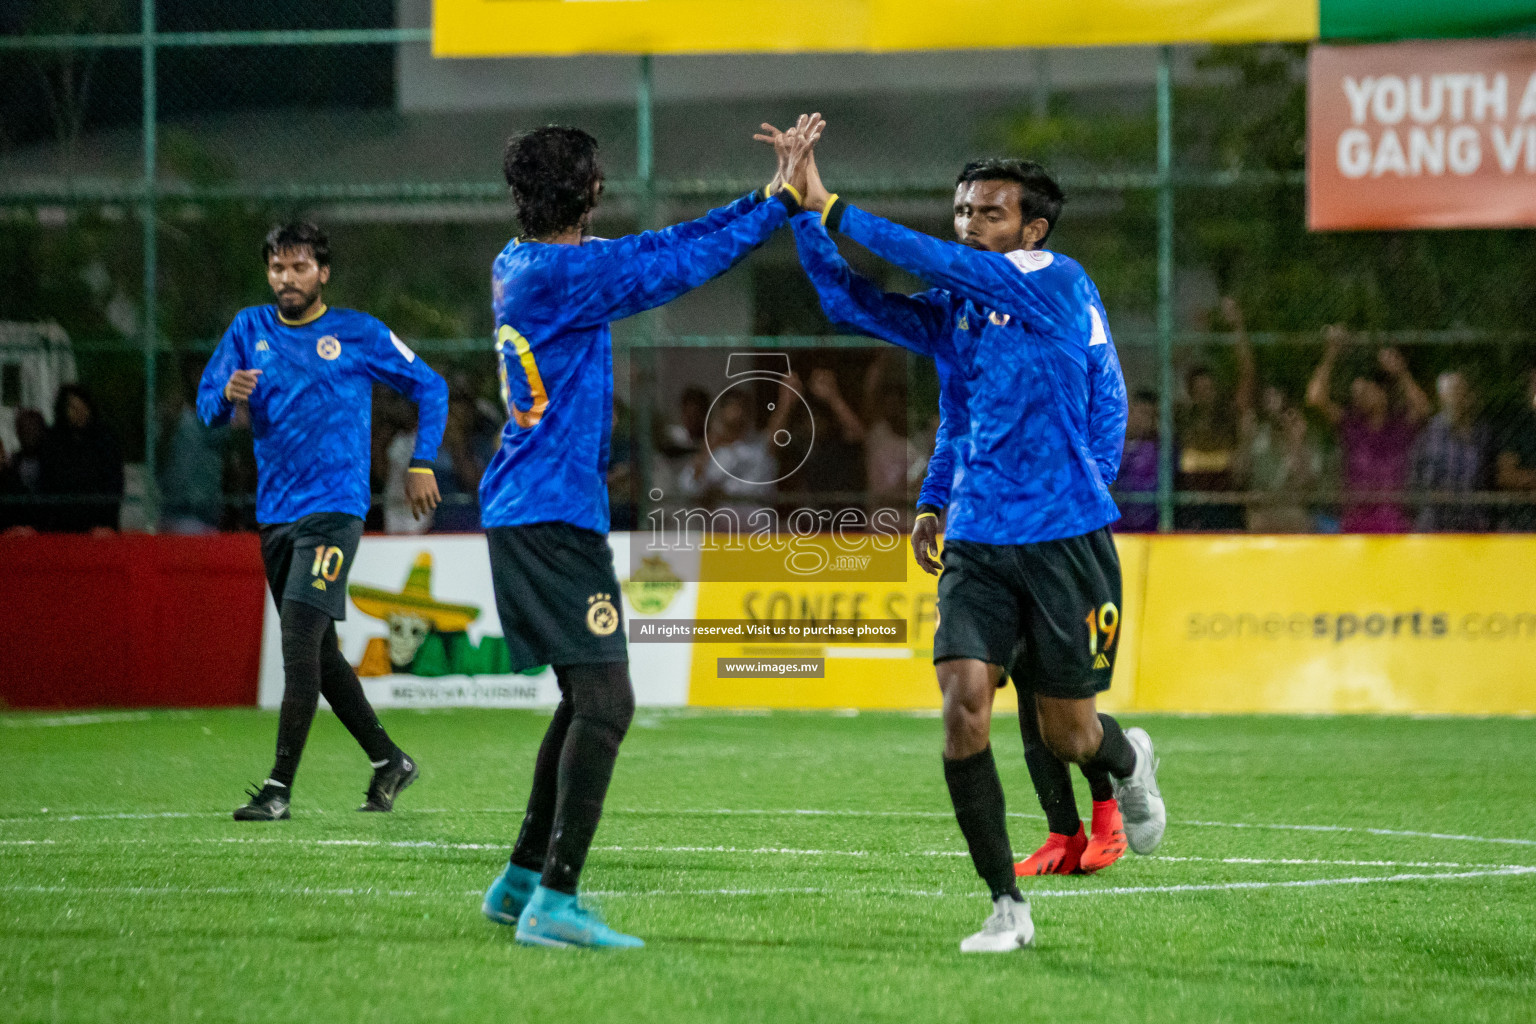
{"x":328,"y":347}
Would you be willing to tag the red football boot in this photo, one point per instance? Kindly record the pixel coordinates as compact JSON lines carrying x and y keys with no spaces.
{"x":1059,"y":856}
{"x":1107,"y":843}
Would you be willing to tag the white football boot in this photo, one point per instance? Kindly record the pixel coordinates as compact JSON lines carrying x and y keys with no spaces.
{"x":1009,"y":928}
{"x":1141,"y":802}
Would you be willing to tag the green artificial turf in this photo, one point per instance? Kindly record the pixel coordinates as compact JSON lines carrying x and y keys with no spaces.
{"x":781,"y":867}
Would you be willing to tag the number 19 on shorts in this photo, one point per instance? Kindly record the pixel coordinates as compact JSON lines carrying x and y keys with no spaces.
{"x":1103,"y":628}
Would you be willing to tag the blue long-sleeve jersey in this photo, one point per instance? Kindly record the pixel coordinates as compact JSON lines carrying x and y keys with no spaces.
{"x":954,"y":428}
{"x":311,"y":411}
{"x":554,"y":349}
{"x":1026,"y":336}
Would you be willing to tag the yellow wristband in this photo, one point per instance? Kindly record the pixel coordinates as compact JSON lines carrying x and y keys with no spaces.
{"x":924,"y":515}
{"x":420,"y":469}
{"x":787,"y":187}
{"x":825,"y":210}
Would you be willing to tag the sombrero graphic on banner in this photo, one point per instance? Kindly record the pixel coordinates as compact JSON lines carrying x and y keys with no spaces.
{"x":426,"y":636}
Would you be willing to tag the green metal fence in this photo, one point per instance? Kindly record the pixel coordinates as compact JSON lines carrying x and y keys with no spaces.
{"x":1165,"y":182}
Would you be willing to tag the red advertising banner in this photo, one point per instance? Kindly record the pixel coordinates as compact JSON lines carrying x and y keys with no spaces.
{"x":1422,"y":135}
{"x":130,"y":621}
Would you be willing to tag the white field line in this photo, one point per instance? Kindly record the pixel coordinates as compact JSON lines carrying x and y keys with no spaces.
{"x":1129,"y":890}
{"x":1139,"y":890}
{"x":1016,"y":814}
{"x":217,"y":890}
{"x":57,"y":721}
{"x":430,"y":844}
{"x":800,"y":812}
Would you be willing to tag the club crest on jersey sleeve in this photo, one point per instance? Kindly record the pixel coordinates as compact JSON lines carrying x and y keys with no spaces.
{"x":1030,"y":260}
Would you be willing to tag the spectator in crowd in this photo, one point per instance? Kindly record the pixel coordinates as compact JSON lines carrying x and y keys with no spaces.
{"x":1452,"y":455}
{"x":677,"y":443}
{"x":1208,"y":438}
{"x":21,"y":472}
{"x":82,"y":464}
{"x":469,"y":441}
{"x":394,"y":442}
{"x":686,"y":435}
{"x":1376,"y":439}
{"x":1515,"y":461}
{"x":1282,"y":459}
{"x":734,"y":468}
{"x":835,"y":463}
{"x":892,"y":460}
{"x":1276,"y":456}
{"x":1138,"y":465}
{"x":623,"y":502}
{"x":192,"y":473}
{"x":240,"y":473}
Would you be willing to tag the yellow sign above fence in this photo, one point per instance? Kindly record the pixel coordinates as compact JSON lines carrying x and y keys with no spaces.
{"x":513,"y":28}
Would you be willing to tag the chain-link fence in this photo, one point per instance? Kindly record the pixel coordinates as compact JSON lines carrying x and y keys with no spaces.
{"x":145,"y":149}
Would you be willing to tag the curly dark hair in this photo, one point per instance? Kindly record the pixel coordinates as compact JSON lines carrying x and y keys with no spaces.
{"x":551,"y":172}
{"x":297,"y":235}
{"x":1041,"y":197}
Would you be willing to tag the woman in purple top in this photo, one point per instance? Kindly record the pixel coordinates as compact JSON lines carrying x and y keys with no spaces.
{"x":1375,"y":439}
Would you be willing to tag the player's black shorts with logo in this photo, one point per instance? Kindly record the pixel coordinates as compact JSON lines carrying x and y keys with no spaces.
{"x":557,"y":595}
{"x":308,"y":559}
{"x":1048,"y":612}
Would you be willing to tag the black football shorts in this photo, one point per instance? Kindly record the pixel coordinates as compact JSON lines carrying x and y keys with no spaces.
{"x":308,"y":560}
{"x":1048,"y":612}
{"x":557,"y":595}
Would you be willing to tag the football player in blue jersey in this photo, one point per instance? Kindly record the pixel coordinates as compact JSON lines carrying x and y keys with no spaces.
{"x":307,"y":371}
{"x":555,"y":290}
{"x":1030,"y":575}
{"x":1068,"y":848}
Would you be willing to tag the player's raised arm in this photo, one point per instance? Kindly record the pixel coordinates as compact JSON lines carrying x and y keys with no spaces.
{"x":610,"y":280}
{"x":915,"y":322}
{"x":1027,"y":284}
{"x":721,"y":216}
{"x":392,"y":362}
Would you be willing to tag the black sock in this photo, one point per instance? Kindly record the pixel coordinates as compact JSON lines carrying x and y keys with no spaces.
{"x":977,"y":794}
{"x":303,"y":626}
{"x":1053,"y":782}
{"x":603,"y":703}
{"x":1116,"y":755}
{"x":533,"y":840}
{"x":340,"y":687}
{"x":1098,"y":782}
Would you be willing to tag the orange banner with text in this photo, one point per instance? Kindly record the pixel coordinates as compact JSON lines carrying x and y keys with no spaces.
{"x":1422,"y":135}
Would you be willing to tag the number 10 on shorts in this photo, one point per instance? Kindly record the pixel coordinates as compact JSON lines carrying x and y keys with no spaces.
{"x":327,"y":562}
{"x":1102,"y":621}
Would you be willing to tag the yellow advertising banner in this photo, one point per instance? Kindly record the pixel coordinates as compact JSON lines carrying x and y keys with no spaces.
{"x":1320,"y":624}
{"x":510,"y":28}
{"x":863,"y":675}
{"x":1395,"y":625}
